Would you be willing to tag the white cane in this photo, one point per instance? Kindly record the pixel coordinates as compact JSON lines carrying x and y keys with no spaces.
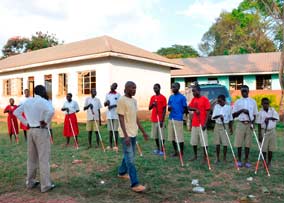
{"x":76,"y":143}
{"x":203,"y":140}
{"x":259,"y":148}
{"x":160,"y":131}
{"x":49,"y":132}
{"x":17,"y":138}
{"x":264,"y":135}
{"x":101,"y":140}
{"x":235,"y":159}
{"x":177,"y":142}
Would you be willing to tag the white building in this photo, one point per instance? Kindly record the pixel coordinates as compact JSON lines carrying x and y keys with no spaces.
{"x":77,"y":67}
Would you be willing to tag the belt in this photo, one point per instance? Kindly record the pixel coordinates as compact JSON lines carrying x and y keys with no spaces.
{"x":245,"y":122}
{"x":39,"y":127}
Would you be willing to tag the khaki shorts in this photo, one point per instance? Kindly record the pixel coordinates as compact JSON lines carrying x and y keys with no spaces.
{"x":269,"y":141}
{"x":179,"y":131}
{"x":196,"y":137}
{"x":114,"y":123}
{"x":91,"y":125}
{"x":243,"y":135}
{"x":220,"y":135}
{"x":156,"y":131}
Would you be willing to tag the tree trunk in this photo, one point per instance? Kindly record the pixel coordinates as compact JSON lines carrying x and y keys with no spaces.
{"x":281,"y":78}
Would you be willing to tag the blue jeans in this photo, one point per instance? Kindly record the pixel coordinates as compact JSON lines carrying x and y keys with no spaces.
{"x":127,"y":164}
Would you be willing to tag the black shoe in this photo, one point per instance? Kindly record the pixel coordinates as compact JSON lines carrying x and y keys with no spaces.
{"x":50,"y":188}
{"x":174,"y":155}
{"x":34,"y":185}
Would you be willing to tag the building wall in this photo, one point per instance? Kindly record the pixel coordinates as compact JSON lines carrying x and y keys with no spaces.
{"x":250,"y":81}
{"x":144,"y":75}
{"x":275,"y":84}
{"x":224,"y":80}
{"x":108,"y":70}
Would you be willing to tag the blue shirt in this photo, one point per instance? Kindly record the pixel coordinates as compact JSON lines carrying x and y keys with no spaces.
{"x":178,"y":104}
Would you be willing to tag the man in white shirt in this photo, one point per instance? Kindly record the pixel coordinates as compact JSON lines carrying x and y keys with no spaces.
{"x":70,"y":108}
{"x":222,"y":113}
{"x":112,"y":117}
{"x":266,"y":119}
{"x":245,"y":111}
{"x":92,"y":106}
{"x":38,"y":113}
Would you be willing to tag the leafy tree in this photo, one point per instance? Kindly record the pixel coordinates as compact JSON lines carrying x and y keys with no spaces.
{"x":178,"y":51}
{"x":15,"y":45}
{"x":40,"y":40}
{"x":271,"y":12}
{"x":236,"y":33}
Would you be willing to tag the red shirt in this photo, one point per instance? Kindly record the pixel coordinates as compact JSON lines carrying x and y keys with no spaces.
{"x":161,"y":104}
{"x":203,"y":105}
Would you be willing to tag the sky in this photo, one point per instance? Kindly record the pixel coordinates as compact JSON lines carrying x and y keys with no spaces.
{"x":148,"y":24}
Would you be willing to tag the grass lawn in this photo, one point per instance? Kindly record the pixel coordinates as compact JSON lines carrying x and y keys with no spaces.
{"x":166,"y":180}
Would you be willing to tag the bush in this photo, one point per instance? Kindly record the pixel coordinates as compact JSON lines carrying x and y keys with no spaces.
{"x":272,"y":98}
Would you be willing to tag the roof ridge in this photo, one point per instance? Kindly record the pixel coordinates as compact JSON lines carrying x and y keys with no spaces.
{"x":107,"y":42}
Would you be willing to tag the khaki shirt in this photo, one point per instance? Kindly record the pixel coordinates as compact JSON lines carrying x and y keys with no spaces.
{"x":127,"y":107}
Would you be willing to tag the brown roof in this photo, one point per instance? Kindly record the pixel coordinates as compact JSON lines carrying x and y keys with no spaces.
{"x":99,"y":45}
{"x":232,"y":64}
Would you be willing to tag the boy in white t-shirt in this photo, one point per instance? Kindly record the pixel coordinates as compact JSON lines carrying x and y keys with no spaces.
{"x":92,"y":106}
{"x":222,"y":113}
{"x":112,"y":117}
{"x":266,"y":119}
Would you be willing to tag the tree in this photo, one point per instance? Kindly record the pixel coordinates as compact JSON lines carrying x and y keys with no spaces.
{"x":178,"y":51}
{"x":42,"y":40}
{"x":17,"y":45}
{"x":272,"y":12}
{"x":236,"y":33}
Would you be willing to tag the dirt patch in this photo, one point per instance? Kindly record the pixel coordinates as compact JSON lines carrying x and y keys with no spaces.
{"x":32,"y":198}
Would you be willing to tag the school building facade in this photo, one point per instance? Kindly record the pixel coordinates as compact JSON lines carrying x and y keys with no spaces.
{"x":80,"y":66}
{"x":260,"y":71}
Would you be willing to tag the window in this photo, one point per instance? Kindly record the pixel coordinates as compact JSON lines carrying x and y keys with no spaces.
{"x":31,"y":85}
{"x":236,"y":82}
{"x":190,"y":81}
{"x":263,"y":82}
{"x":62,"y":84}
{"x":212,"y":79}
{"x":7,"y":87}
{"x":48,"y":85}
{"x":13,"y":87}
{"x":86,"y":81}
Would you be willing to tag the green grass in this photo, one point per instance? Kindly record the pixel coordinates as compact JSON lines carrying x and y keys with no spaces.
{"x":166,"y":180}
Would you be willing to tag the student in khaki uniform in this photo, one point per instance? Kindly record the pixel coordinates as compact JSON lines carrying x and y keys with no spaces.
{"x":129,"y":124}
{"x":200,"y":105}
{"x":222,"y":113}
{"x":177,"y":107}
{"x":93,"y":106}
{"x":112,"y":118}
{"x":158,"y":105}
{"x":266,"y":119}
{"x":38,"y":114}
{"x":245,"y":110}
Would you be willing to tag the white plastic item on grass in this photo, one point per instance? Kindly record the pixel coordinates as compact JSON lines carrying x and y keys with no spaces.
{"x":198,"y":189}
{"x":250,"y":179}
{"x":195,"y":182}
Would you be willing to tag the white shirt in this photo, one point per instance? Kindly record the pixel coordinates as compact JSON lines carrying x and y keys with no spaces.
{"x":262,"y":115}
{"x":36,"y":109}
{"x":72,"y":106}
{"x":24,"y":99}
{"x":50,"y":104}
{"x":245,"y":103}
{"x":112,"y":98}
{"x":93,"y":114}
{"x":225,"y":110}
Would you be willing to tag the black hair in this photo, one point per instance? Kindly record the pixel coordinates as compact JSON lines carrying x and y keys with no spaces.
{"x":197,"y":87}
{"x":244,"y":87}
{"x":70,"y":94}
{"x":40,"y":90}
{"x":265,"y":99}
{"x":157,"y":84}
{"x":221,"y":96}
